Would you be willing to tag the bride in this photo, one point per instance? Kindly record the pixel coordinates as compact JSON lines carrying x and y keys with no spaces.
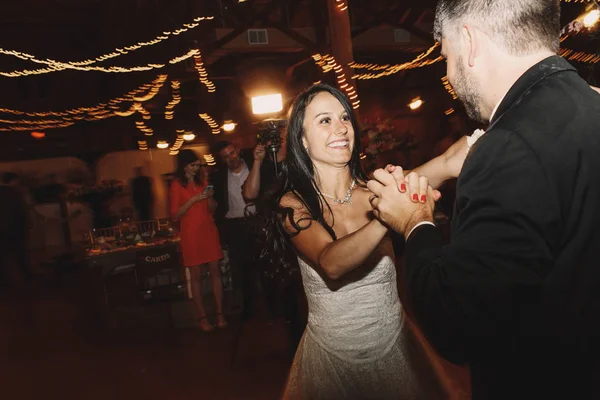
{"x":356,"y":343}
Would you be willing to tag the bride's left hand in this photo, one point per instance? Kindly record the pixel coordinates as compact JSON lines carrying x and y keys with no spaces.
{"x":411,"y":182}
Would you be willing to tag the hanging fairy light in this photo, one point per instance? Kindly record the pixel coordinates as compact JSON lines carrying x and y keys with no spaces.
{"x":110,"y":69}
{"x":341,"y":5}
{"x":327,"y":63}
{"x":202,"y":74}
{"x":210,"y":159}
{"x":149,"y":88}
{"x":387,"y":69}
{"x":449,"y":87}
{"x":94,"y":113}
{"x":211,"y":123}
{"x":579,"y":56}
{"x":87,"y":65}
{"x":174,"y":101}
{"x":146,"y":130}
{"x":174,"y":150}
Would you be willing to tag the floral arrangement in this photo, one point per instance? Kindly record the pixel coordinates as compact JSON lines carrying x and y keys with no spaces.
{"x":379,"y":137}
{"x":103,"y":189}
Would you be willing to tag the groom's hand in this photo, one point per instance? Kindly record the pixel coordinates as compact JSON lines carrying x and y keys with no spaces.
{"x":396,"y":209}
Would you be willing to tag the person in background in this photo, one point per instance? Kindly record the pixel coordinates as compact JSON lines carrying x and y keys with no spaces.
{"x":234,"y":219}
{"x":13,"y":227}
{"x":142,"y":195}
{"x":192,"y":204}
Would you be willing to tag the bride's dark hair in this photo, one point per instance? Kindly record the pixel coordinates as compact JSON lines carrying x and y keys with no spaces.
{"x":297,"y":177}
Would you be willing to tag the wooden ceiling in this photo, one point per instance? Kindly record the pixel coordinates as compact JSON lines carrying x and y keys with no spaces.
{"x":75,"y":30}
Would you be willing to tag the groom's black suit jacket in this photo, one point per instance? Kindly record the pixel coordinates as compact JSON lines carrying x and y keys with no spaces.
{"x":516,"y":293}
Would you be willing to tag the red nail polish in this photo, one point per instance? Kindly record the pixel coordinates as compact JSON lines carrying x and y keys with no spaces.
{"x":423,"y":199}
{"x":415,"y":197}
{"x":403,"y":187}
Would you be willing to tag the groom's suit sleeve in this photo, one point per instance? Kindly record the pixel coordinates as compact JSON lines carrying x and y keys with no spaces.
{"x":466,"y":293}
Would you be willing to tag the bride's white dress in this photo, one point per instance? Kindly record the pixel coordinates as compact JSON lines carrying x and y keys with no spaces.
{"x":356,"y":344}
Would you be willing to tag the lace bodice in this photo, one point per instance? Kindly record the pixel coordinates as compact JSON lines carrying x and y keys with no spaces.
{"x":357,"y":318}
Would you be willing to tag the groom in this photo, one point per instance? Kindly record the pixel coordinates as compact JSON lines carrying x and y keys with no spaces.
{"x":516,"y":294}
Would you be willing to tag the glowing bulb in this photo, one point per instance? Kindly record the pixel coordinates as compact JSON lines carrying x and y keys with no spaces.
{"x":189,"y":136}
{"x":228,"y":126}
{"x":591,"y":18}
{"x":270,"y":103}
{"x":416,"y":103}
{"x":162,"y":144}
{"x":38,"y":135}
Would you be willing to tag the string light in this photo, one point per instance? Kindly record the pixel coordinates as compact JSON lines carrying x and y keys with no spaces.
{"x":579,"y":56}
{"x":161,"y":144}
{"x":184,"y":57}
{"x":174,"y":101}
{"x":146,"y":130}
{"x":86,"y":65}
{"x":449,"y":111}
{"x":327,"y":63}
{"x":142,"y":145}
{"x":210,"y":160}
{"x":111,"y":69}
{"x":178,"y":143}
{"x":211,"y":122}
{"x":202,"y":74}
{"x":153,"y":86}
{"x":449,"y":87}
{"x":341,"y":4}
{"x":98,"y":112}
{"x":588,"y":20}
{"x":386,"y":70}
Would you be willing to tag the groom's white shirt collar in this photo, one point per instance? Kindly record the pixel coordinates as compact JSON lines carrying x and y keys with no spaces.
{"x":470,"y":142}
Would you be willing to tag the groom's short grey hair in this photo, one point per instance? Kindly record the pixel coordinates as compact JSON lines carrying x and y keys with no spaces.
{"x":520,"y":27}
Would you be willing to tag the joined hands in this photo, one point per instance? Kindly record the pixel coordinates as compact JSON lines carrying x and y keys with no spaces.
{"x":399,"y":201}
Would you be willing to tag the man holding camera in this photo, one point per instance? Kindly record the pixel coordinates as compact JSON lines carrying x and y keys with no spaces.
{"x":233,"y":217}
{"x":263,"y":173}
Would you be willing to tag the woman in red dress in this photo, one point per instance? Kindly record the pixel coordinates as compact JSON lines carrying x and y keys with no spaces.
{"x":192,"y":205}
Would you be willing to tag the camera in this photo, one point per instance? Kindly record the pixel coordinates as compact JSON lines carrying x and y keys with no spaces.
{"x":269,"y":134}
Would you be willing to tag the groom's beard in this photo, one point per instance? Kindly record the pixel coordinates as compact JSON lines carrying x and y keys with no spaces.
{"x":467,"y":91}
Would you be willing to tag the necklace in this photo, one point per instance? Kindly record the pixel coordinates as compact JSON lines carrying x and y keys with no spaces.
{"x":347,"y":198}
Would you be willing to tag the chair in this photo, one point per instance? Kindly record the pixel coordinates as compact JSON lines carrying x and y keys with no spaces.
{"x":160,"y":277}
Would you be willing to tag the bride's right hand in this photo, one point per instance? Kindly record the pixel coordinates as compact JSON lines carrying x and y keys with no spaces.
{"x":416,"y":185}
